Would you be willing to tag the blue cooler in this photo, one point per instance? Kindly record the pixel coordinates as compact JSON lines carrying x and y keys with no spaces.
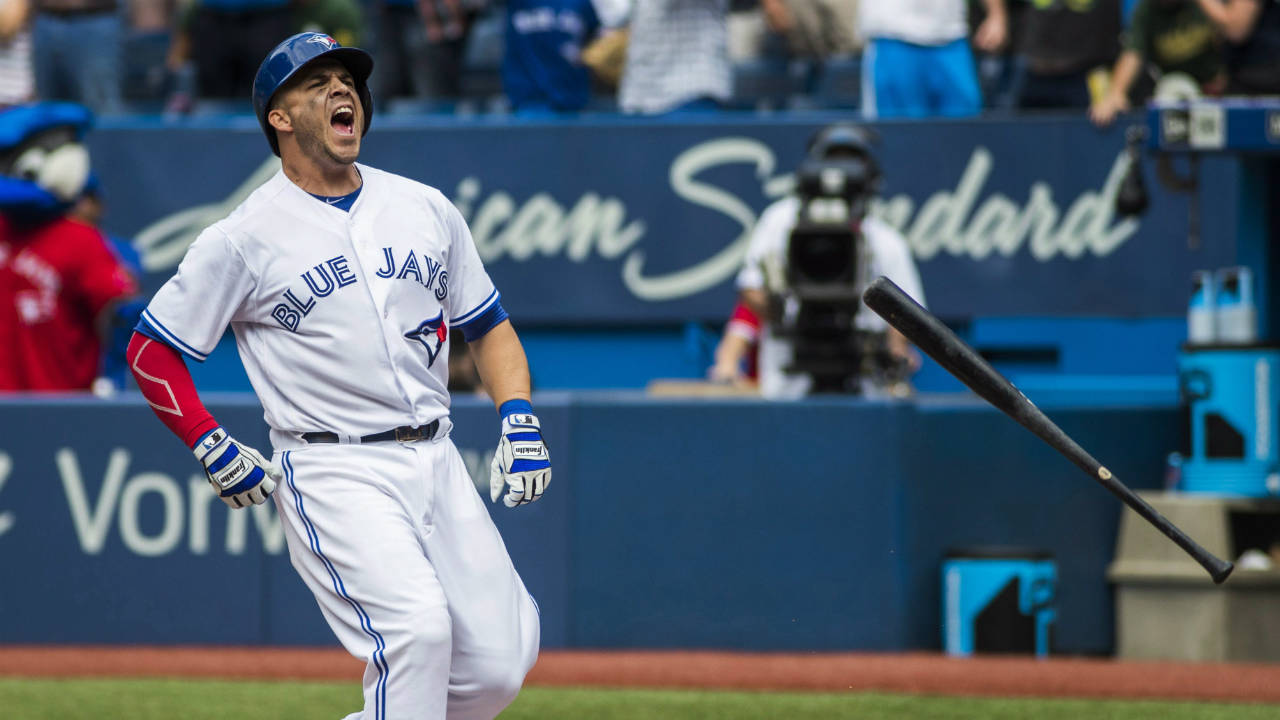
{"x":1231,"y":393}
{"x":998,"y":600}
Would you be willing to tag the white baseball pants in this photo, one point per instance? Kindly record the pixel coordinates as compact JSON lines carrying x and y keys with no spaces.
{"x":410,"y":572}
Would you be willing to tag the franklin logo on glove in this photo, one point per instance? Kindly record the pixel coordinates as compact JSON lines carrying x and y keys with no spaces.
{"x":239,"y":475}
{"x":522,"y":460}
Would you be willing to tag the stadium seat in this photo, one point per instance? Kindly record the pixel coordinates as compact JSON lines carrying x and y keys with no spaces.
{"x":480,"y":83}
{"x":839,"y":83}
{"x":765,"y":84}
{"x":420,"y":106}
{"x":602,"y":103}
{"x":482,"y":63}
{"x":485,"y":42}
{"x":205,"y":107}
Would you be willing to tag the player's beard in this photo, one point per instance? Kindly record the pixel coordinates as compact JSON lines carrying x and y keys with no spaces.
{"x":312,"y":137}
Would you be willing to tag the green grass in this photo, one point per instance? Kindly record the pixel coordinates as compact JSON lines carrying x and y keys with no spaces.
{"x":156,"y":699}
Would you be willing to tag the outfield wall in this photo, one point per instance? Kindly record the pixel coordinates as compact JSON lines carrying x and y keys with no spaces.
{"x":740,"y":524}
{"x":610,"y":236}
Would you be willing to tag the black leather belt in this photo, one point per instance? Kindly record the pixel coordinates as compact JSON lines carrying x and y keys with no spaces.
{"x":403,"y":434}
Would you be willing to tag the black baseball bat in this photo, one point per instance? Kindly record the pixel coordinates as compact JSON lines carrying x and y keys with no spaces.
{"x":938,"y":342}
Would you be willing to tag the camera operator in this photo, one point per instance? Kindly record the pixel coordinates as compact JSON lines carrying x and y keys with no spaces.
{"x":809,"y":257}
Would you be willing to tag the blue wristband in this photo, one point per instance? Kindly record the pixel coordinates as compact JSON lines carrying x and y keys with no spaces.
{"x":205,"y":435}
{"x":516,"y":405}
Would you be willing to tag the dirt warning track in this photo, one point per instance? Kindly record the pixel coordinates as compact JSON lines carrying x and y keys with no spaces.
{"x":927,"y":673}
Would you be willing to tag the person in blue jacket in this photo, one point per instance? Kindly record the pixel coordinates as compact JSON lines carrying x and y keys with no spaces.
{"x":542,"y":69}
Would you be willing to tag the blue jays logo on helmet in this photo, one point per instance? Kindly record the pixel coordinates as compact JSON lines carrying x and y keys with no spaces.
{"x":324,"y":40}
{"x":295,"y":53}
{"x":431,"y":333}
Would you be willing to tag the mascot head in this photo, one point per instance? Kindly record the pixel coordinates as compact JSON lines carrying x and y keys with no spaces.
{"x":44,"y":165}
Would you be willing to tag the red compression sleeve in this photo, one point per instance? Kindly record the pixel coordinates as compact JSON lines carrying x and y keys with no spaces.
{"x":745,"y":322}
{"x":167,"y":385}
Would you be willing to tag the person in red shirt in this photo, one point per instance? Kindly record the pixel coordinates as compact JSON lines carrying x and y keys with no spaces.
{"x":58,"y":284}
{"x":59,"y":281}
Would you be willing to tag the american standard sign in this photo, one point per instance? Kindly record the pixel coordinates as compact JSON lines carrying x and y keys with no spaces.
{"x":660,"y":232}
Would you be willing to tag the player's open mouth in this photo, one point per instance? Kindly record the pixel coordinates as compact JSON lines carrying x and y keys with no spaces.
{"x":343,"y":120}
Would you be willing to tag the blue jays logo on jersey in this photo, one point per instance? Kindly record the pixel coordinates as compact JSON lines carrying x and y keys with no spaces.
{"x":431,"y":333}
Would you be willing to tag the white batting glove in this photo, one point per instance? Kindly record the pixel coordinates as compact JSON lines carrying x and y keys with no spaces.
{"x":521,"y":461}
{"x":239,"y":475}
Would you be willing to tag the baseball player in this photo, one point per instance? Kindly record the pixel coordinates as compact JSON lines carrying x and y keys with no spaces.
{"x":345,"y":287}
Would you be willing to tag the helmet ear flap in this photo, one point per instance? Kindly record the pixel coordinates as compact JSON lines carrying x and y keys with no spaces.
{"x":366,"y":99}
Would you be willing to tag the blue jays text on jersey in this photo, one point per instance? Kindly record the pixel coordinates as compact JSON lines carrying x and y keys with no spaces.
{"x":335,"y":273}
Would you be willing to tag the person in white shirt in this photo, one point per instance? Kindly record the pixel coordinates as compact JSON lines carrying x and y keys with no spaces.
{"x":883,"y":251}
{"x":917,"y":61}
{"x":677,"y":57}
{"x":17,"y":78}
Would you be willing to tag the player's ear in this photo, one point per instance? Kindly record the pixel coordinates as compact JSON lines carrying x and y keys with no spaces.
{"x":279,"y":119}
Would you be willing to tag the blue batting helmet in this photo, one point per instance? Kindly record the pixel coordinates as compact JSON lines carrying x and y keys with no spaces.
{"x":291,"y":56}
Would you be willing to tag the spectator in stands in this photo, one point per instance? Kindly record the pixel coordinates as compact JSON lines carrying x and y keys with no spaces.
{"x":145,"y":75}
{"x":224,"y":70}
{"x":1173,"y":36}
{"x":542,"y":68}
{"x":152,"y":16}
{"x":809,"y":29}
{"x":1251,"y":29}
{"x":77,"y":52}
{"x":343,"y":20}
{"x":917,"y":59}
{"x":762,"y":283}
{"x":17,"y":82}
{"x":677,"y":58}
{"x":745,"y":25}
{"x":816,"y":29}
{"x":1000,"y":72}
{"x":1065,"y":43}
{"x":226,"y":39}
{"x":420,"y":46}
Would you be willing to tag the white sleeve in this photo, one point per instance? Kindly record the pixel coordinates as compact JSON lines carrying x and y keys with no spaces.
{"x":191,"y":311}
{"x":768,"y":238}
{"x":471,"y":293}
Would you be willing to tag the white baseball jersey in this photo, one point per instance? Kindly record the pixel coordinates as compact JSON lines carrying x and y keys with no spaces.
{"x":887,"y":254}
{"x":342,"y":319}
